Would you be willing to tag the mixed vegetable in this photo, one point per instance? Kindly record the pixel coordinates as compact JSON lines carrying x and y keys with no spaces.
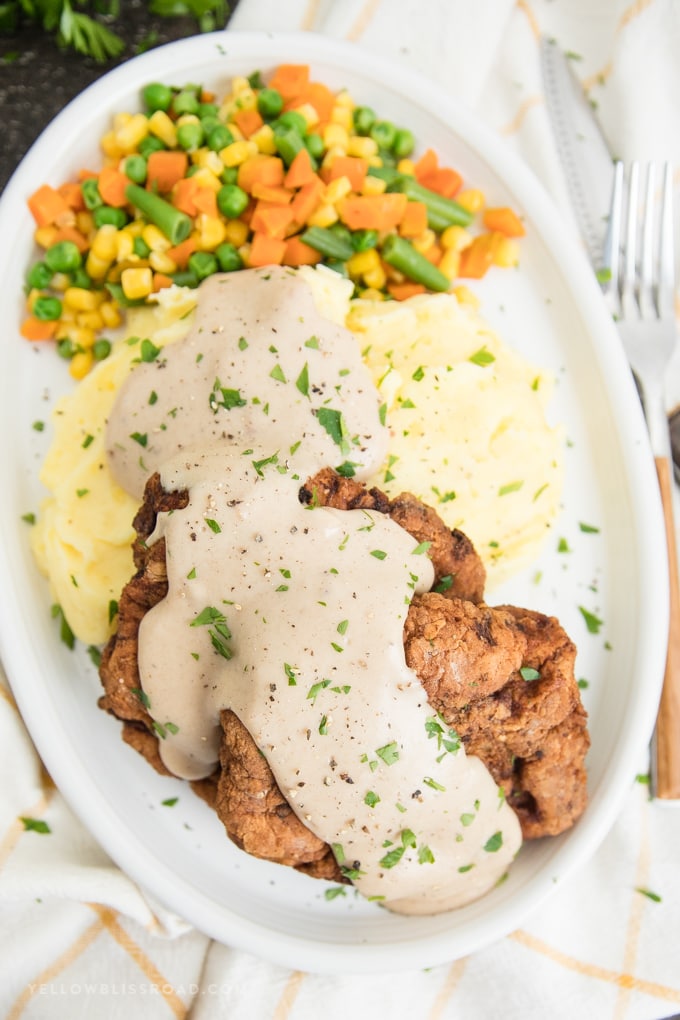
{"x":283,"y":172}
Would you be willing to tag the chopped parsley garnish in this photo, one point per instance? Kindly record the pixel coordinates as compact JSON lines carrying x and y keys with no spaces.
{"x":222,"y":396}
{"x":382,"y":413}
{"x":315,"y":690}
{"x":347,"y":469}
{"x":213,"y":525}
{"x":28,"y":518}
{"x":436,"y":728}
{"x":389,"y":753}
{"x":141,"y":696}
{"x":408,"y":840}
{"x":444,"y":584}
{"x":482,"y":357}
{"x":433,"y":784}
{"x":493,"y":843}
{"x":563,"y":546}
{"x":649,"y":894}
{"x":302,"y":381}
{"x":169,"y":801}
{"x":242,"y":343}
{"x":334,"y":424}
{"x":593,"y":623}
{"x":505,"y":490}
{"x":148,"y":351}
{"x":38,"y":426}
{"x":288,"y":670}
{"x":277,"y":373}
{"x":379,"y":554}
{"x":113,"y":610}
{"x":588,"y":529}
{"x":467,"y":818}
{"x":218,"y":630}
{"x":140,"y":437}
{"x":420,"y":549}
{"x":332,"y":894}
{"x":425,"y":855}
{"x":259,"y":464}
{"x":153,"y":397}
{"x":35,"y":825}
{"x":65,"y":632}
{"x":528,"y":674}
{"x":342,"y":627}
{"x":313,"y":342}
{"x":95,"y":656}
{"x":371,"y":799}
{"x":418,"y":374}
{"x":87,"y":441}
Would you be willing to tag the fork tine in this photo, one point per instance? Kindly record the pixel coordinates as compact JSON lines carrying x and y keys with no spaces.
{"x":666,"y":284}
{"x":646,"y":281}
{"x":612,"y":245}
{"x":630,"y":255}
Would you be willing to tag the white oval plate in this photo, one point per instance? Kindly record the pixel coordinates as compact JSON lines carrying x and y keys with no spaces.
{"x":551,"y":311}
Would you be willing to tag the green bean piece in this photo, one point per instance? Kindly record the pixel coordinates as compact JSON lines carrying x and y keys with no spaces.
{"x":185,"y":101}
{"x":400,"y":253}
{"x":291,"y":120}
{"x":288,"y":145}
{"x":39,"y":276}
{"x":203,"y":264}
{"x":328,"y":243}
{"x":174,"y":224}
{"x":364,"y":118}
{"x":141,"y":248}
{"x":228,"y":257}
{"x":101,"y":349}
{"x":269,"y":103}
{"x":47,"y":309}
{"x":108,"y":214}
{"x":207,"y":110}
{"x":90,"y":191}
{"x":219,"y":137}
{"x":63,"y":257}
{"x":315,"y":145}
{"x":403,"y":144}
{"x":157,"y":97}
{"x":441,"y":212}
{"x":134,"y":167}
{"x":185,"y":278}
{"x":385,"y":173}
{"x":231,"y":201}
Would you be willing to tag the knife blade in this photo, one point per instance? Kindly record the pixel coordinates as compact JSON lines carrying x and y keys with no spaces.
{"x":581,"y":145}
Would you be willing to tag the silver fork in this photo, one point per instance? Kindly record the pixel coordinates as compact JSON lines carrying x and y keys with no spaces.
{"x":640,"y":290}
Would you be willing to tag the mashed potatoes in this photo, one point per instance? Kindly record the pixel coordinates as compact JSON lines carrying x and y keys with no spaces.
{"x":468,"y":435}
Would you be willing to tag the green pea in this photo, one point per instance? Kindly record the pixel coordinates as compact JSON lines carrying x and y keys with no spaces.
{"x":66,"y":348}
{"x":135,"y":168}
{"x":185,"y":278}
{"x":185,"y":101}
{"x":63,"y":257}
{"x":291,"y":120}
{"x":203,"y":264}
{"x":342,"y":232}
{"x":190,"y":136}
{"x":140,"y":247}
{"x":364,"y":118}
{"x":383,"y":132}
{"x":79,"y":278}
{"x":108,"y":214}
{"x":219,"y":138}
{"x":148,"y":145}
{"x":228,"y":258}
{"x":39,"y":276}
{"x":269,"y":103}
{"x":101,"y":349}
{"x":403,"y":144}
{"x":90,"y":191}
{"x":157,"y":97}
{"x":229,"y":175}
{"x":207,"y":110}
{"x":47,"y":309}
{"x":315,"y":145}
{"x":231,"y":201}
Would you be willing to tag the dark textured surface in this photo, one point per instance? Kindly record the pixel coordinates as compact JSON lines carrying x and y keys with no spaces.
{"x":37,"y":83}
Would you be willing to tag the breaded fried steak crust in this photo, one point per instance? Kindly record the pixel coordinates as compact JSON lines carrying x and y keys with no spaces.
{"x":502,"y":678}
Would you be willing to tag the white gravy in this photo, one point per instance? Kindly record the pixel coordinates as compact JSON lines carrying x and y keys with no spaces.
{"x":292,"y":616}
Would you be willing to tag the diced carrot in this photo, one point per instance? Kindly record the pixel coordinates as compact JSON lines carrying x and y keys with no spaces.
{"x":248,"y":121}
{"x":263,"y":169}
{"x":266,"y":251}
{"x":307,"y":199}
{"x":317,"y":95}
{"x":183,"y":195}
{"x":271,"y":219}
{"x":36,"y":329}
{"x":47,"y":205}
{"x":433,"y":254}
{"x":427,"y":164}
{"x":207,"y":97}
{"x":161,"y":281}
{"x":85,"y":174}
{"x":181,"y":252}
{"x":71,"y":234}
{"x":290,"y":79}
{"x":414,"y":221}
{"x":112,"y":185}
{"x":478,"y":257}
{"x":373,"y":212}
{"x":404,"y":291}
{"x":281,"y":195}
{"x":165,"y":168}
{"x":352,"y":167}
{"x":300,"y":171}
{"x":205,"y":201}
{"x":504,"y":221}
{"x":72,"y":194}
{"x":298,"y":253}
{"x":445,"y":181}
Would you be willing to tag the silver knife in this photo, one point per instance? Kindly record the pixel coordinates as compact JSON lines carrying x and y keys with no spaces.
{"x":584,"y":154}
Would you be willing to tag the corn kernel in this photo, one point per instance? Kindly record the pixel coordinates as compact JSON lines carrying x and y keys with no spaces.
{"x":104,"y":245}
{"x":120,"y":119}
{"x":161,"y":262}
{"x":60,"y":281}
{"x":205,"y":177}
{"x":465,"y":296}
{"x":236,"y":232}
{"x":68,"y":315}
{"x":211,"y":232}
{"x":363,"y":262}
{"x":237,"y":153}
{"x":323,"y":216}
{"x":85,"y":222}
{"x":130,"y":134}
{"x":45,"y":237}
{"x":406,"y":166}
{"x":135,"y":228}
{"x":82,"y":300}
{"x":375,"y":278}
{"x":473,"y":199}
{"x":155,"y":238}
{"x":137,"y":283}
{"x":32,"y":297}
{"x":264,"y":139}
{"x":337,"y":189}
{"x":307,"y":111}
{"x":449,"y":264}
{"x":336,"y":136}
{"x":124,"y":245}
{"x":344,"y":99}
{"x":239,"y":84}
{"x":90,"y":320}
{"x":455,"y":238}
{"x":331,"y":154}
{"x":373,"y":185}
{"x":208,"y":160}
{"x":236,"y":132}
{"x":361,"y":146}
{"x":80,"y":364}
{"x":245,"y":99}
{"x":110,"y":314}
{"x":244,"y":252}
{"x":371,"y":294}
{"x":110,"y":146}
{"x":97,"y":267}
{"x":506,"y":254}
{"x":81,"y":336}
{"x":163,"y":128}
{"x":424,"y":241}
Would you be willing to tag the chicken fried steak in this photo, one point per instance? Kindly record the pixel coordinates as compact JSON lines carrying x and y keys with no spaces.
{"x":502,"y":678}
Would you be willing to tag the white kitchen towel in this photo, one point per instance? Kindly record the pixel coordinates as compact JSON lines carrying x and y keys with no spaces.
{"x":80,"y":939}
